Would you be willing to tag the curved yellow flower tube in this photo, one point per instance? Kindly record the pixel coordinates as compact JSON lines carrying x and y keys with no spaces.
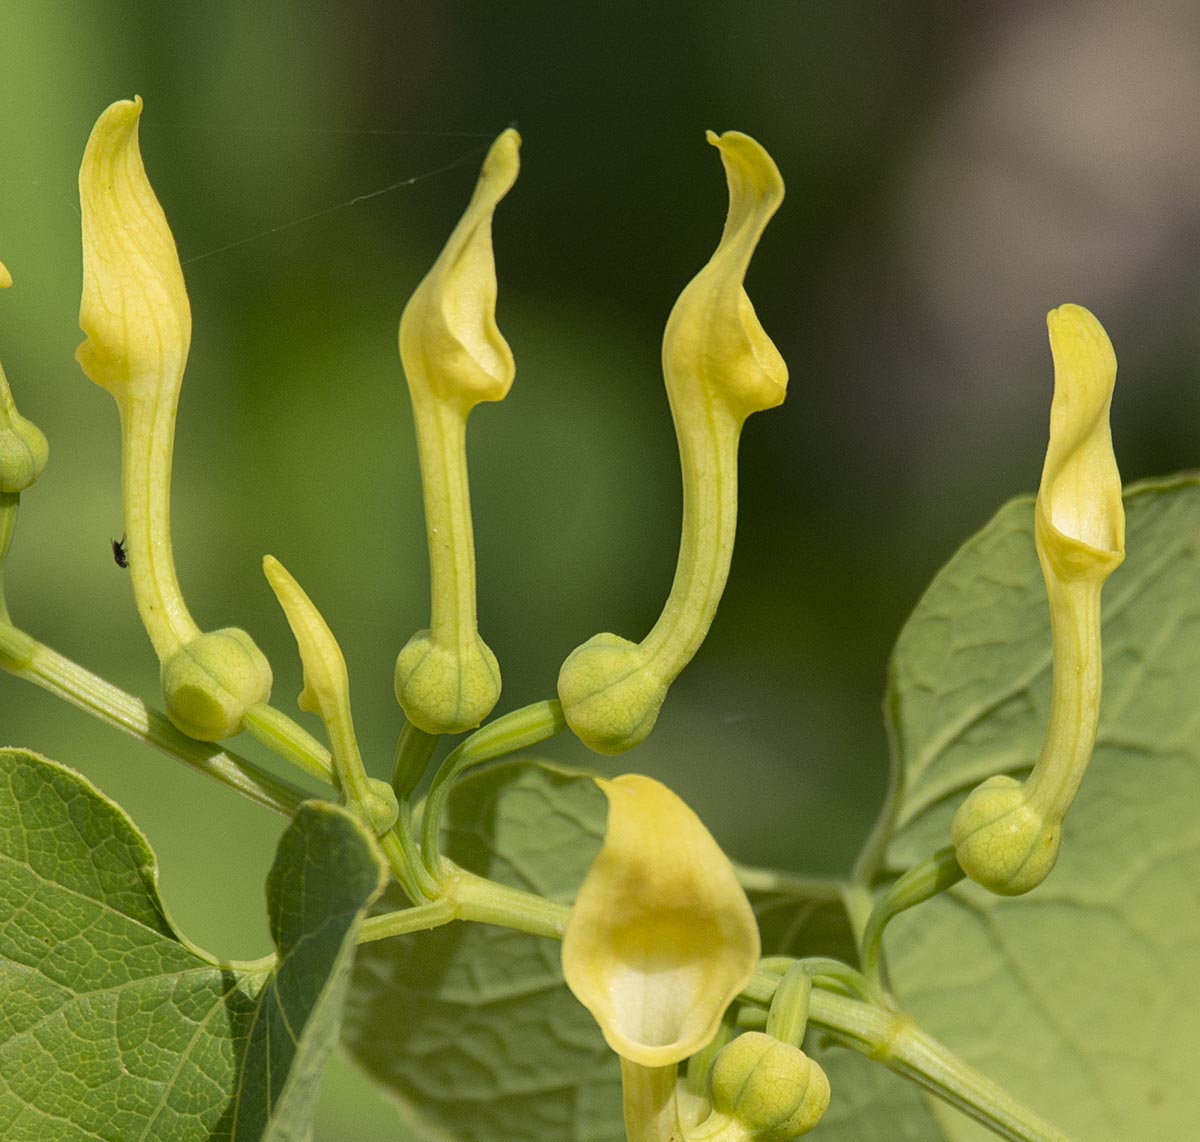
{"x":720,"y":366}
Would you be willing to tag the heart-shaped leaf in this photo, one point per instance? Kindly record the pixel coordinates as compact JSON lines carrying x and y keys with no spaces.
{"x":1081,"y":997}
{"x":112,"y":1026}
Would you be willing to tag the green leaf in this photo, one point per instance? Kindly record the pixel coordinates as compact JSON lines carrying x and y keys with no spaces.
{"x":1080,"y":998}
{"x":326,"y":873}
{"x":112,"y":1026}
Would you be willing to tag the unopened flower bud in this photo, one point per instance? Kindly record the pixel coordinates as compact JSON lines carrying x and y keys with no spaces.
{"x":773,"y":1089}
{"x":326,"y":693}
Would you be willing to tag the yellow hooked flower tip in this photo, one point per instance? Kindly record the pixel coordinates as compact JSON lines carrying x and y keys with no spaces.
{"x":713,"y":338}
{"x":135,"y":309}
{"x":661,"y":938}
{"x":1080,"y":522}
{"x":450,"y":344}
{"x":5,"y":276}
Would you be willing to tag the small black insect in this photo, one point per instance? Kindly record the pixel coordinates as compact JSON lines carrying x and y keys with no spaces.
{"x":120,"y":555}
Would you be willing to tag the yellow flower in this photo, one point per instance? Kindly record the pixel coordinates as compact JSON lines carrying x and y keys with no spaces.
{"x":138,"y":324}
{"x":447,"y":678}
{"x":1080,"y":520}
{"x":1006,"y":833}
{"x":660,"y":941}
{"x":720,"y":366}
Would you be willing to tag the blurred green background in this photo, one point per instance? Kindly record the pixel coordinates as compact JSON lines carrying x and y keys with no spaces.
{"x":953,"y":171}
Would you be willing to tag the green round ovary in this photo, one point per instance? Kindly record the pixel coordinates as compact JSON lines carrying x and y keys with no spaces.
{"x":610,"y":698}
{"x":446,"y":689}
{"x":1001,"y":840}
{"x":212,"y":680}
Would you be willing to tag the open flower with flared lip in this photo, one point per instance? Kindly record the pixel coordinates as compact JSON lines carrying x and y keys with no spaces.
{"x":660,"y":941}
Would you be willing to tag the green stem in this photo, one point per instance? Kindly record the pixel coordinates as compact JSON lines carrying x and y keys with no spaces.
{"x":462,"y":895}
{"x":405,"y":859}
{"x":476,"y":898}
{"x":8,"y":519}
{"x":431,"y":914}
{"x":894,"y":1039}
{"x":516,"y":731}
{"x":26,"y":658}
{"x":290,"y":741}
{"x":922,"y":882}
{"x":414,"y":748}
{"x":821,"y":888}
{"x":1074,"y":697}
{"x":441,"y":445}
{"x":650,"y":1100}
{"x":707,"y":431}
{"x":147,"y":443}
{"x":825,"y":970}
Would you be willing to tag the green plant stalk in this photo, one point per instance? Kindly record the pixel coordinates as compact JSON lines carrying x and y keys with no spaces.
{"x":895,"y":1040}
{"x":826,"y":972}
{"x":422,"y":918}
{"x":476,"y":898}
{"x":414,"y":748}
{"x":147,"y":443}
{"x":1074,"y":699}
{"x":8,"y":519}
{"x":25,"y":657}
{"x":404,"y":859}
{"x":442,"y":447}
{"x":289,"y":740}
{"x":649,"y":1095}
{"x":515,"y":731}
{"x":465,"y":896}
{"x":922,"y":882}
{"x":826,"y":889}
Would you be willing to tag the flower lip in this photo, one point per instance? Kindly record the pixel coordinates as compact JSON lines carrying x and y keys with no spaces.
{"x":134,"y":310}
{"x":450,"y":343}
{"x":662,"y":937}
{"x":713,"y":336}
{"x":1080,"y":516}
